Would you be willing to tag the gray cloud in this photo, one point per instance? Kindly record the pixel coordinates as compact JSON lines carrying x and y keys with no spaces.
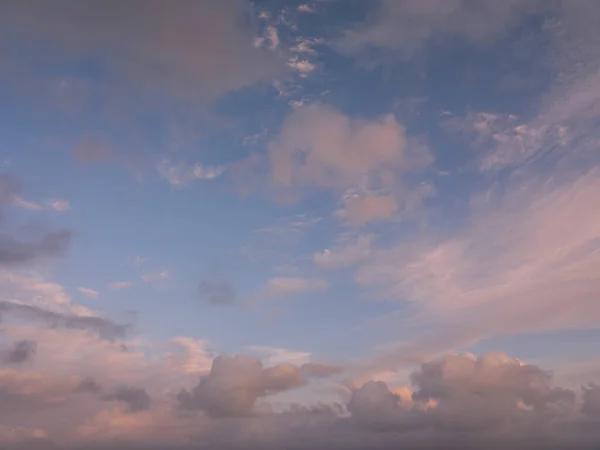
{"x":20,"y":352}
{"x":235,"y":383}
{"x":50,"y":245}
{"x":136,"y":398}
{"x":89,"y":385}
{"x":195,"y":51}
{"x":14,"y":252}
{"x":216,"y":292}
{"x":492,"y":393}
{"x":105,"y":328}
{"x":591,"y":400}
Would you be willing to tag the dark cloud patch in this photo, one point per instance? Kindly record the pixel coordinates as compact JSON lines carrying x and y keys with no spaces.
{"x":89,"y":385}
{"x":14,"y":252}
{"x":20,"y":352}
{"x":216,"y":292}
{"x":105,"y":328}
{"x":136,"y":398}
{"x":196,"y":51}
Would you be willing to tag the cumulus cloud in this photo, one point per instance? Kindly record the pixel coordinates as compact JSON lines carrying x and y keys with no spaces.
{"x":236,"y":383}
{"x":493,"y":393}
{"x":320,"y":146}
{"x":19,"y":352}
{"x":216,"y":292}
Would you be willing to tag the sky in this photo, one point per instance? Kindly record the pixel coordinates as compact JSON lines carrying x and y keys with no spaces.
{"x":299,"y":224}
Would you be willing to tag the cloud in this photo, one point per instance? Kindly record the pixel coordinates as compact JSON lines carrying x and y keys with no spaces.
{"x":236,"y":383}
{"x":26,"y":204}
{"x":136,"y":398}
{"x":456,"y":394}
{"x":118,"y":285}
{"x":104,"y":327}
{"x":348,"y":251}
{"x":182,"y":174}
{"x":591,"y":400}
{"x":50,"y":245}
{"x":361,"y":210}
{"x":20,"y":351}
{"x":487,"y":282}
{"x":399,"y":30}
{"x":90,"y":293}
{"x":59,"y":205}
{"x":305,"y":8}
{"x":288,"y":286}
{"x":216,"y":292}
{"x":93,"y":149}
{"x":320,"y":146}
{"x":195,"y":52}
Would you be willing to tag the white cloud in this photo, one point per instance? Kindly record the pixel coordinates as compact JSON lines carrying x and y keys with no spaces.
{"x":156,"y":276}
{"x":305,"y":8}
{"x":302,"y":66}
{"x":59,"y":205}
{"x":89,"y":293}
{"x":277,"y":355}
{"x":26,"y":204}
{"x":118,"y":285}
{"x":182,"y":174}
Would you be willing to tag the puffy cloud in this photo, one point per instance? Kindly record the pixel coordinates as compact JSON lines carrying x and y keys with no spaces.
{"x":320,"y":146}
{"x":493,"y":393}
{"x":234,"y":384}
{"x":20,"y":351}
{"x":216,"y":292}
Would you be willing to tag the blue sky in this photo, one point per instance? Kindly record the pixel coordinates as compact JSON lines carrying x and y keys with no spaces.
{"x":367,"y":186}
